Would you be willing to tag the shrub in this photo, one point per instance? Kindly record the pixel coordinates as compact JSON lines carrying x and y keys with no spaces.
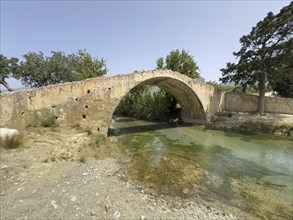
{"x":76,"y":126}
{"x":64,"y":156}
{"x":49,"y":121}
{"x":11,"y":142}
{"x":82,"y":159}
{"x":100,"y":139}
{"x":88,"y":130}
{"x":53,"y":159}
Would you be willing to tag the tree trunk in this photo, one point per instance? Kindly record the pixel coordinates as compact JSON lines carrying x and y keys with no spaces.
{"x":261,"y":96}
{"x":6,"y":85}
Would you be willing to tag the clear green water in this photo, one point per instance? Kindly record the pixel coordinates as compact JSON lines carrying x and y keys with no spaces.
{"x":251,"y":172}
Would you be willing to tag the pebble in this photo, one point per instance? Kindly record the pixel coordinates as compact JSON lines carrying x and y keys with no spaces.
{"x":73,"y":199}
{"x":142,"y":217}
{"x":116,"y":215}
{"x":53,"y":203}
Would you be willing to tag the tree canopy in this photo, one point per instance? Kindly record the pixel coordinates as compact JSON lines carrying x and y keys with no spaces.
{"x":266,"y":54}
{"x":37,"y":70}
{"x":7,"y":67}
{"x":181,"y":62}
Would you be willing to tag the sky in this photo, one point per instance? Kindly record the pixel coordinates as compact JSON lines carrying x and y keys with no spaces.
{"x":132,"y":35}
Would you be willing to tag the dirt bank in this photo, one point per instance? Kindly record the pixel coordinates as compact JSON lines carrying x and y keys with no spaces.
{"x":279,"y":124}
{"x":58,"y":174}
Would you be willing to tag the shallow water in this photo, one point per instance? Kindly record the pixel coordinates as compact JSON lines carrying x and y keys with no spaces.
{"x":251,"y":172}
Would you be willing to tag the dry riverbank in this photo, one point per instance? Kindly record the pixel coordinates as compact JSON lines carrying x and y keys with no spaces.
{"x":58,"y":174}
{"x":279,"y":124}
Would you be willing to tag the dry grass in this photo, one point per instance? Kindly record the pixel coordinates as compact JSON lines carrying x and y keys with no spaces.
{"x":49,"y":121}
{"x":11,"y":142}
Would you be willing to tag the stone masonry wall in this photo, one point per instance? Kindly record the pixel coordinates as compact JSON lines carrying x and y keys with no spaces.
{"x":93,"y":101}
{"x":248,"y":103}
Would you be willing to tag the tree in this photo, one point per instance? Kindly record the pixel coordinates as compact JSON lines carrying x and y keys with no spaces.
{"x":7,"y":67}
{"x":284,"y":87}
{"x":266,"y":54}
{"x":90,"y":67}
{"x":37,"y":70}
{"x":181,"y":62}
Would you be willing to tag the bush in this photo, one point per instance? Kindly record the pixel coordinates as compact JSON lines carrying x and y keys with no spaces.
{"x":82,"y":159}
{"x":48,"y":121}
{"x":64,"y":156}
{"x":11,"y":142}
{"x":76,"y":126}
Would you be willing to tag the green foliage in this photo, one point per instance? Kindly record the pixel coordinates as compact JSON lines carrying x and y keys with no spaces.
{"x":11,"y":142}
{"x":7,"y":67}
{"x":266,"y":54}
{"x":221,"y":86}
{"x":284,"y":87}
{"x":49,"y":121}
{"x":181,"y":62}
{"x":90,"y":67}
{"x":38,"y":70}
{"x":141,"y":103}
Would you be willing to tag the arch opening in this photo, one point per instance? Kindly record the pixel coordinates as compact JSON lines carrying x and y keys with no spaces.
{"x":191,"y":107}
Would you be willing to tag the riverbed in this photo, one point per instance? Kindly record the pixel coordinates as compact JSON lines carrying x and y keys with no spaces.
{"x":253,"y":173}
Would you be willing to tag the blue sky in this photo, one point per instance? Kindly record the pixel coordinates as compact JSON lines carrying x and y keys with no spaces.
{"x":131,"y":35}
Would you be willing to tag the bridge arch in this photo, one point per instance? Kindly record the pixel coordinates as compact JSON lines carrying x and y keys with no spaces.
{"x":191,"y":107}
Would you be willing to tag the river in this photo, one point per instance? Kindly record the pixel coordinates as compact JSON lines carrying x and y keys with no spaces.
{"x":253,"y":173}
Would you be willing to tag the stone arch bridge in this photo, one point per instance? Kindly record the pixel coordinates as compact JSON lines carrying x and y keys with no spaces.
{"x":93,"y":101}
